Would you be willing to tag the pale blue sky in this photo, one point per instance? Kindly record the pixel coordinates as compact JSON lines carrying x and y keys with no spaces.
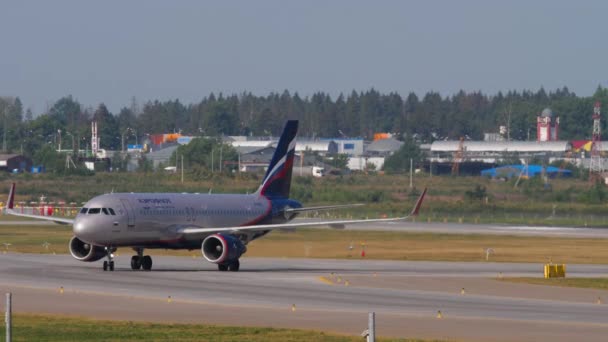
{"x":109,"y":51}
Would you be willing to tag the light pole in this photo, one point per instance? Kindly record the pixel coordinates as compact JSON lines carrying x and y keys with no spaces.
{"x":59,"y":145}
{"x":84,"y":139}
{"x":5,"y":130}
{"x":72,"y":135}
{"x":122,"y":140}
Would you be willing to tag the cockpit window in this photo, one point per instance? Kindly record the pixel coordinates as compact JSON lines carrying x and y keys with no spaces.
{"x":84,"y":210}
{"x":111,"y":211}
{"x":94,"y":211}
{"x":105,"y":211}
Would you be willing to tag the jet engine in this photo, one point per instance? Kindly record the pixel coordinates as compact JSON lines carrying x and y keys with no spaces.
{"x":222,"y":249}
{"x":83,"y":251}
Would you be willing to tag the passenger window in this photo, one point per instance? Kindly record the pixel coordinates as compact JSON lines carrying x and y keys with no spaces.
{"x":105,"y":211}
{"x":84,"y":210}
{"x":94,"y":211}
{"x":111,"y":211}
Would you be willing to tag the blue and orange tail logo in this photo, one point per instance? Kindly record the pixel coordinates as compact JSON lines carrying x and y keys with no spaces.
{"x":277,"y":181}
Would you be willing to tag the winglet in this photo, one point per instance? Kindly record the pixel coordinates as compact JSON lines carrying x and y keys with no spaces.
{"x":11,"y":198}
{"x":416,"y":208}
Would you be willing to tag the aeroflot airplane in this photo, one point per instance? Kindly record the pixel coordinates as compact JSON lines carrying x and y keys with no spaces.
{"x":220,"y":225}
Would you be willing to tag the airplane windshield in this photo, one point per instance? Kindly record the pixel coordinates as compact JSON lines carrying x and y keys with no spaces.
{"x":94,"y":211}
{"x":105,"y":211}
{"x":111,"y":211}
{"x":84,"y":210}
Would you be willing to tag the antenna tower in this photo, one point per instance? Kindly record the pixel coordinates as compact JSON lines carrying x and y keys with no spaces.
{"x":458,"y":157}
{"x":94,"y":139}
{"x":595,"y":166}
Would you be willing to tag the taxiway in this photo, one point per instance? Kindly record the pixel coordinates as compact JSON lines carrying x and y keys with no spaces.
{"x":311,"y":293}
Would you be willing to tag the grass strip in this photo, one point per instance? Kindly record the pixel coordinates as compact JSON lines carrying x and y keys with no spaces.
{"x":28,"y":327}
{"x":325,"y":243}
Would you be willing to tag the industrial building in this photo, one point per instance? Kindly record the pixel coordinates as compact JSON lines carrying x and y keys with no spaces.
{"x":483,"y":149}
{"x":383,"y":147}
{"x":161,"y":156}
{"x":253,"y":159}
{"x":474,"y":156}
{"x":350,"y":146}
{"x":15,"y":163}
{"x":322,"y":147}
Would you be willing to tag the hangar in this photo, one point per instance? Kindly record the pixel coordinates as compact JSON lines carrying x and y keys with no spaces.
{"x":15,"y":163}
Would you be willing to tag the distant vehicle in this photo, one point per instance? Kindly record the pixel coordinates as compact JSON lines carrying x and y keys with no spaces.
{"x":101,"y":153}
{"x":221,"y":225}
{"x":318,"y":171}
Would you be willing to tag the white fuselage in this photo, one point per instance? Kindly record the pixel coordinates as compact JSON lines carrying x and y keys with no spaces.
{"x":153,"y":219}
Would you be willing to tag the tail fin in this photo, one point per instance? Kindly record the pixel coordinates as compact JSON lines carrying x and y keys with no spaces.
{"x":418,"y":204}
{"x":277,"y":180}
{"x":10,"y":202}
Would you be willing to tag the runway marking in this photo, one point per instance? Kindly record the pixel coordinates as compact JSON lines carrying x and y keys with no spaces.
{"x":325,"y":280}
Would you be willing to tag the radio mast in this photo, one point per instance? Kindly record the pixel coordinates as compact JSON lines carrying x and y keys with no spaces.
{"x":596,"y":168}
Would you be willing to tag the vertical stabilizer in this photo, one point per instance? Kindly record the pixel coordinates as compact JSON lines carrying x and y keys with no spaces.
{"x":277,"y":181}
{"x":10,"y":202}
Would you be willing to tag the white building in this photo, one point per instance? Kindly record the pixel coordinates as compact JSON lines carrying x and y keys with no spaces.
{"x":350,"y":146}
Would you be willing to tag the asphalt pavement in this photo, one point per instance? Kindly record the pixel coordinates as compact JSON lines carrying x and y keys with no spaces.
{"x":313,"y":293}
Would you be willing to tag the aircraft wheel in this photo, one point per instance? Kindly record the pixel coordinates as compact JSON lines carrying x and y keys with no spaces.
{"x":146,"y":263}
{"x":105,"y":265}
{"x":234,"y":267}
{"x":222,"y":267}
{"x":135,"y":262}
{"x":111,"y":264}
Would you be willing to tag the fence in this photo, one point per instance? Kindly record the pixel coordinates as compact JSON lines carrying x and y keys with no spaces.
{"x":45,"y":210}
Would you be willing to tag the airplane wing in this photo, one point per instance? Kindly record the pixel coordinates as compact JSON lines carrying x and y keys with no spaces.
{"x":261,"y":227}
{"x":327,"y":207}
{"x":9,"y":210}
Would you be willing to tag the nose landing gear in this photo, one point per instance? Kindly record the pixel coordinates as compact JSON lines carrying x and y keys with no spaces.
{"x":141,"y":261}
{"x":109,"y":264}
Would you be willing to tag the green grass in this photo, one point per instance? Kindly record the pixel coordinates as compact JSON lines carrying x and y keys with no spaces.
{"x":588,"y":283}
{"x":30,"y":239}
{"x":59,"y":328}
{"x":10,"y":218}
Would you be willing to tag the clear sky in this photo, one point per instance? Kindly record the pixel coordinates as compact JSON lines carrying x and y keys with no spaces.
{"x":109,"y":51}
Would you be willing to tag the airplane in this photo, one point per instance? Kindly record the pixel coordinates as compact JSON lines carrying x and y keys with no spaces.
{"x":221,"y":225}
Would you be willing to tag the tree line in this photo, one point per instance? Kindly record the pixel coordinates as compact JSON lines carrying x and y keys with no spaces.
{"x":358,"y":114}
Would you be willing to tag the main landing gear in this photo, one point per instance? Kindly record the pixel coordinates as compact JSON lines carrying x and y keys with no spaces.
{"x":109,"y":264}
{"x":141,"y":261}
{"x":232,"y":266}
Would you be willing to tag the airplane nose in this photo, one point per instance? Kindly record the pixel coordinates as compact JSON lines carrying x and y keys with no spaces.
{"x":81,"y":229}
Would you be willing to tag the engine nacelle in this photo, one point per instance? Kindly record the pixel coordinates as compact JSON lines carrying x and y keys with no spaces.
{"x":83,"y":251}
{"x":222,"y":249}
